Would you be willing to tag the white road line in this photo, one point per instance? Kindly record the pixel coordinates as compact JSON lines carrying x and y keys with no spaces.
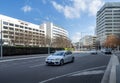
{"x":88,"y":73}
{"x":21,"y":59}
{"x":71,"y":74}
{"x":36,"y":65}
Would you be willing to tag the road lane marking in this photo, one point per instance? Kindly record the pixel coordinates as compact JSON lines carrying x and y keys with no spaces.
{"x":36,"y":65}
{"x":88,"y":73}
{"x":21,"y":59}
{"x":71,"y":74}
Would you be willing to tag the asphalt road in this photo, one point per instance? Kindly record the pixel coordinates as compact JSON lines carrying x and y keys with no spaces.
{"x":87,"y":68}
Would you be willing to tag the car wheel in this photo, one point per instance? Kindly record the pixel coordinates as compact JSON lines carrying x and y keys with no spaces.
{"x":61,"y":62}
{"x":72,"y":59}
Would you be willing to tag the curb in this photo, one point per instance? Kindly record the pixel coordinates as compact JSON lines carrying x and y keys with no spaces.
{"x":110,"y":72}
{"x":115,"y":62}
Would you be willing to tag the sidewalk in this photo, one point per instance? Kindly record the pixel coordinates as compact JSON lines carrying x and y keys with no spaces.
{"x":112,"y":72}
{"x":118,"y":68}
{"x":118,"y":54}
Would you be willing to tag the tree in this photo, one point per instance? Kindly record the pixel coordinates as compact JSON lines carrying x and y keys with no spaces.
{"x":62,"y":42}
{"x":47,"y":41}
{"x":112,"y":41}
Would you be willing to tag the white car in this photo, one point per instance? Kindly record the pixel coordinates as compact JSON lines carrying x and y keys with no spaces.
{"x":93,"y":51}
{"x":59,"y":58}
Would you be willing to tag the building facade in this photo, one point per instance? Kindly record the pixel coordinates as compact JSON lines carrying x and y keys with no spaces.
{"x":18,"y":32}
{"x":108,"y":21}
{"x":88,"y":42}
{"x":53,"y":31}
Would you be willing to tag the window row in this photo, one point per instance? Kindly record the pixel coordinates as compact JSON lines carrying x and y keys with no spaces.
{"x":20,"y":26}
{"x":11,"y":28}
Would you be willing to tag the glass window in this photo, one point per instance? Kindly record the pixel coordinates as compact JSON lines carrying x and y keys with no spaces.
{"x":16,"y":25}
{"x":58,"y":53}
{"x":11,"y":24}
{"x":5,"y":27}
{"x":11,"y":32}
{"x":26,"y":27}
{"x":11,"y":28}
{"x":21,"y":26}
{"x":30,"y":29}
{"x":5,"y":23}
{"x":5,"y":36}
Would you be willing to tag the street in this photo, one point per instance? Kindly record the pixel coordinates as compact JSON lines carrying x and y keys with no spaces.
{"x":87,"y":68}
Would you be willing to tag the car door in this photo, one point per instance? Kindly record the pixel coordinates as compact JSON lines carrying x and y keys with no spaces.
{"x":66,"y":57}
{"x":69,"y":56}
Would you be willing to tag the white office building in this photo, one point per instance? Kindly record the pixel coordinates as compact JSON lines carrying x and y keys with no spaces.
{"x":88,"y":42}
{"x":18,"y":32}
{"x":108,"y":21}
{"x":54,"y":31}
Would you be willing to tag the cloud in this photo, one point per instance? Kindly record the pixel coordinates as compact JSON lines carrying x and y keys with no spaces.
{"x":91,"y":30}
{"x":77,"y":7}
{"x":76,"y":37}
{"x":26,"y":8}
{"x":94,"y":6}
{"x":70,"y":11}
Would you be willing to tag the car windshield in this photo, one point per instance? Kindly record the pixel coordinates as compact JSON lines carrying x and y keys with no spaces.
{"x":58,"y":54}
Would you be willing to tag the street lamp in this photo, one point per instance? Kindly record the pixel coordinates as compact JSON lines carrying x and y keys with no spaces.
{"x":1,"y":42}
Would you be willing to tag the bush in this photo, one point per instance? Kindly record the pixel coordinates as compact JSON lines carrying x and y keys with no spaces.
{"x":17,"y":50}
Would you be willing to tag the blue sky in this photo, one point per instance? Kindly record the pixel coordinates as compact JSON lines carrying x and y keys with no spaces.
{"x":76,"y":16}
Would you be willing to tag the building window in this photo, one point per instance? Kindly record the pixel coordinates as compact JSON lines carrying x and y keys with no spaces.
{"x":26,"y":27}
{"x":5,"y":36}
{"x":11,"y":28}
{"x":11,"y":32}
{"x":21,"y":26}
{"x":16,"y":25}
{"x":5,"y":27}
{"x":30,"y":29}
{"x":11,"y":24}
{"x":5,"y":32}
{"x":5,"y":23}
{"x":37,"y":30}
{"x":11,"y":36}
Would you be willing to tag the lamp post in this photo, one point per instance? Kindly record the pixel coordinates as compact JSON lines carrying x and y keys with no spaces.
{"x":1,"y":48}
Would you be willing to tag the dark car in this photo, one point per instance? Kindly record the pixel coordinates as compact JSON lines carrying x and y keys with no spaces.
{"x":107,"y":51}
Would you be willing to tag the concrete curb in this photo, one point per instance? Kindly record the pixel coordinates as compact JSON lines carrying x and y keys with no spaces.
{"x":105,"y":78}
{"x":110,"y":73}
{"x":115,"y":62}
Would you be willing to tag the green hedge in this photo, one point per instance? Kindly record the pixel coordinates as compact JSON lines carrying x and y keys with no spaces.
{"x":15,"y":50}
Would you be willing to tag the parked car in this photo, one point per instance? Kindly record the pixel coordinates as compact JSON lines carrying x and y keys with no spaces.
{"x":59,"y":58}
{"x":106,"y":51}
{"x":93,"y":51}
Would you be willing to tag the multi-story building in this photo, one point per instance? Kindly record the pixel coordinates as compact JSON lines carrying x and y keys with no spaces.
{"x":108,"y":21}
{"x":88,"y":42}
{"x":53,"y":31}
{"x":92,"y":42}
{"x":18,"y":32}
